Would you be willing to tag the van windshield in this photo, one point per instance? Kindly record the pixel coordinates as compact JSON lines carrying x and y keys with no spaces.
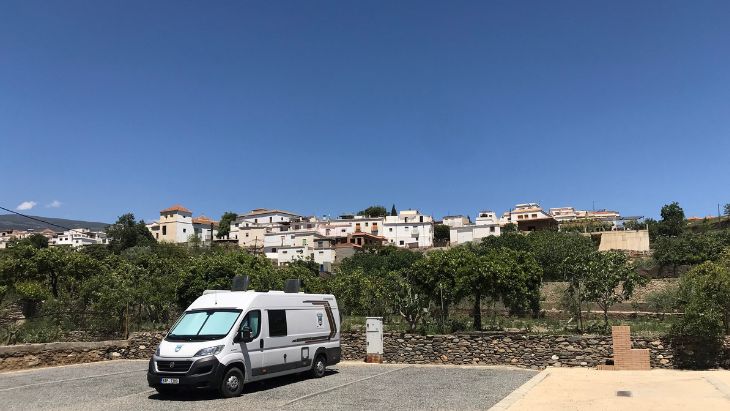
{"x":203,"y":325}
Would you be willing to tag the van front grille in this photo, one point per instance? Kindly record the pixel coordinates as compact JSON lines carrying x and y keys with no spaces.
{"x":173,"y":366}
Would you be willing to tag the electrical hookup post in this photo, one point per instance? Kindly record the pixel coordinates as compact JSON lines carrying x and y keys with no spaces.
{"x":374,"y":339}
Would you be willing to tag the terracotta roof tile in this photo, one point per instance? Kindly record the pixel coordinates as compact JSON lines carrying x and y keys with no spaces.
{"x":176,"y":207}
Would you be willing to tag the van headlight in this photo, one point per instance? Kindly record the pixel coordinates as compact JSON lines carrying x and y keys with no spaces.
{"x":157,"y":351}
{"x":209,"y":351}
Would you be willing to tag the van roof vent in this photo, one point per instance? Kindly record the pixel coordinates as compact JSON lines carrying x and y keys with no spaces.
{"x":240,"y":283}
{"x":292,"y":286}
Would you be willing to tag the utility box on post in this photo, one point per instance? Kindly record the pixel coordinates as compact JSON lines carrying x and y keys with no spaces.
{"x":374,"y":339}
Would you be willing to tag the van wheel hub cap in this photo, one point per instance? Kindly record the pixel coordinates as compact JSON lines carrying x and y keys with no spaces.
{"x":232,"y":383}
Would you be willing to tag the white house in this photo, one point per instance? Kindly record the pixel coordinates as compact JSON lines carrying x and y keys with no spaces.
{"x":455,"y":220}
{"x":79,"y":237}
{"x":409,"y":229}
{"x":486,"y":225}
{"x":176,"y":225}
{"x":523,"y":212}
{"x":266,"y":216}
{"x":561,"y":214}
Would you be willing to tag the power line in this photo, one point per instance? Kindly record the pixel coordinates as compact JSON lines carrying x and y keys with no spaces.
{"x":39,"y":220}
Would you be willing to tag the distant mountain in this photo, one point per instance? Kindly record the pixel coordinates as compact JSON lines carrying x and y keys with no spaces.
{"x":16,"y":222}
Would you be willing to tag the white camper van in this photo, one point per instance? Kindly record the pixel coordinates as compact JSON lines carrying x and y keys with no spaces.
{"x":228,"y":338}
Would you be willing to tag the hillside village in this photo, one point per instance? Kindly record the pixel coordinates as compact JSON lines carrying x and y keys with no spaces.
{"x":285,"y":236}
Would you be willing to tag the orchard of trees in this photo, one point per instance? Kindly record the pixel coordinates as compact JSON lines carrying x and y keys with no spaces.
{"x":136,"y":283}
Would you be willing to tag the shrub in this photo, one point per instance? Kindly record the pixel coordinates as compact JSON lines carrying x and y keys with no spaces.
{"x":697,"y":338}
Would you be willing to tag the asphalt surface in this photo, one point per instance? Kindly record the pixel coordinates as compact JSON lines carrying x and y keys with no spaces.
{"x":122,"y":385}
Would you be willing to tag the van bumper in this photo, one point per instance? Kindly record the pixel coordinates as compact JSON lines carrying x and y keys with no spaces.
{"x":205,"y":373}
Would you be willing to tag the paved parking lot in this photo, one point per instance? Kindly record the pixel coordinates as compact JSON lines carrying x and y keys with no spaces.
{"x":121,"y":385}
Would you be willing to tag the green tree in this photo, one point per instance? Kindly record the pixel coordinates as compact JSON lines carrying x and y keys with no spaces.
{"x":216,"y":268}
{"x":513,"y":240}
{"x":393,"y":212}
{"x":672,"y":222}
{"x":441,"y":234}
{"x":605,"y":272}
{"x":697,"y":336}
{"x":374,"y":211}
{"x":497,"y":274}
{"x":37,"y":240}
{"x":128,"y":232}
{"x":509,"y":228}
{"x":709,"y":283}
{"x":726,"y":210}
{"x":224,"y":226}
{"x":689,"y":248}
{"x":552,"y":248}
{"x":435,"y":278}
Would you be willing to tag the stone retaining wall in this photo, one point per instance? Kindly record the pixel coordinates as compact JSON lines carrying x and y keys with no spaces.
{"x":138,"y":346}
{"x":521,"y":350}
{"x":515,"y":349}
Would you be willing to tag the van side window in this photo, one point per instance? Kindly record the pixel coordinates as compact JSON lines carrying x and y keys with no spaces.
{"x":252,"y":320}
{"x":277,"y":323}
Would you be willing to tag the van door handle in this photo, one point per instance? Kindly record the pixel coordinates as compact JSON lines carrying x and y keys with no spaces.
{"x":261,"y":343}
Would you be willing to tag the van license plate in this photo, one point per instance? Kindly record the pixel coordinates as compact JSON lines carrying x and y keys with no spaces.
{"x":170,"y":381}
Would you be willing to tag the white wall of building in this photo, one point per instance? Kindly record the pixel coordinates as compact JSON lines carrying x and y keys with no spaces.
{"x":409,"y":229}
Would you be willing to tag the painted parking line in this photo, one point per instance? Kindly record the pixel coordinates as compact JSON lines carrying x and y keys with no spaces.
{"x":70,"y":379}
{"x":304,"y":397}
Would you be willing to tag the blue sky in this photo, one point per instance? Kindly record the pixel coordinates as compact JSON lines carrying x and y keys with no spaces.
{"x":327,"y":107}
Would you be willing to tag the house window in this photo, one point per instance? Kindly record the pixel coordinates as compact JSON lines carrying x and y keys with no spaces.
{"x":164,"y":230}
{"x":534,"y":216}
{"x":421,"y":218}
{"x":366,"y":224}
{"x":256,"y":220}
{"x":390,"y":229}
{"x":277,"y":323}
{"x":401,"y":242}
{"x":246,"y":235}
{"x":491,"y":229}
{"x":273,"y":250}
{"x":185,"y":230}
{"x":284,"y":252}
{"x":271,"y":219}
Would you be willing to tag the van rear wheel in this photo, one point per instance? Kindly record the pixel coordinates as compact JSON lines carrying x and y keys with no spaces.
{"x":319,"y":366}
{"x":232,"y":384}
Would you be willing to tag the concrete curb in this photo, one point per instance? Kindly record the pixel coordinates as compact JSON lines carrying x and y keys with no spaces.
{"x":520,"y":392}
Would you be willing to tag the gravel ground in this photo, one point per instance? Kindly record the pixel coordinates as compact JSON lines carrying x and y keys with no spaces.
{"x":122,"y":385}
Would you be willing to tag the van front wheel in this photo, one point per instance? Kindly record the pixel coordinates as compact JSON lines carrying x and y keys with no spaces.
{"x":232,"y":384}
{"x":318,"y":367}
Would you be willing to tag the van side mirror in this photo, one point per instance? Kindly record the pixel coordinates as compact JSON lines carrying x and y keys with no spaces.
{"x":244,"y":335}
